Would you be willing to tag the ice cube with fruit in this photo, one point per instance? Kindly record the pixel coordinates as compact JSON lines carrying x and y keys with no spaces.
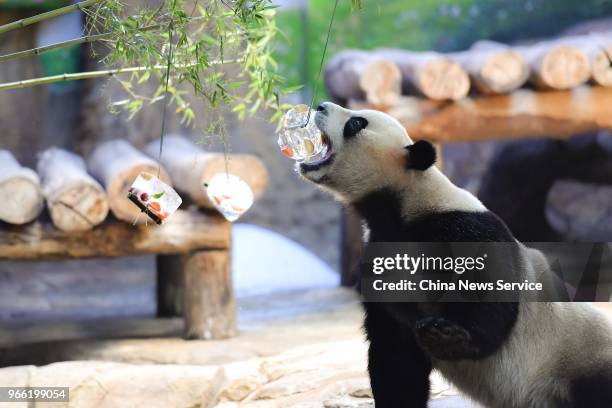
{"x":299,"y":138}
{"x":230,"y":195}
{"x":154,"y":197}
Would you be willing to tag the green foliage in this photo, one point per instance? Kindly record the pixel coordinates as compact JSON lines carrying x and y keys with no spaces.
{"x":220,"y":49}
{"x":442,"y":25}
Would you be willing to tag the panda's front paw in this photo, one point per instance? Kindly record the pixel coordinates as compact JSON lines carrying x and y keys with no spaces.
{"x":445,"y":340}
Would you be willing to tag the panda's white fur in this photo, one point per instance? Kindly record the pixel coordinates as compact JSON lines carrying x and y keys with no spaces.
{"x":549,"y":346}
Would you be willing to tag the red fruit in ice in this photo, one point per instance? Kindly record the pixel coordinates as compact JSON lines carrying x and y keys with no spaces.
{"x":144,"y":197}
{"x":287,"y":151}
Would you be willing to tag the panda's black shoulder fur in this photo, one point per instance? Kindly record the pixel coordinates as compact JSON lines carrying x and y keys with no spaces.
{"x":381,"y":210}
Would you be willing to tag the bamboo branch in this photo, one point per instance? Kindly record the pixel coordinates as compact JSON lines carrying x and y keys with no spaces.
{"x":51,"y":47}
{"x":63,"y":44}
{"x":75,"y":41}
{"x":44,"y":16}
{"x":92,"y":75}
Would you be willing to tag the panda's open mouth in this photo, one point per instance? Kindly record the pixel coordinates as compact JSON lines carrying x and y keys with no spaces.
{"x":325,"y":160}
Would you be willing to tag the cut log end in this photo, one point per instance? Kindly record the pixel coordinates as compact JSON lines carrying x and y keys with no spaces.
{"x":503,"y":72}
{"x":79,"y":207}
{"x":564,"y":67}
{"x":381,"y":81}
{"x":22,"y":200}
{"x":443,"y":79}
{"x":602,"y":67}
{"x":117,"y":190}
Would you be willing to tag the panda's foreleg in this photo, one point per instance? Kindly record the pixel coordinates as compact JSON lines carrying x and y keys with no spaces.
{"x":466,"y":330}
{"x":399,"y":369}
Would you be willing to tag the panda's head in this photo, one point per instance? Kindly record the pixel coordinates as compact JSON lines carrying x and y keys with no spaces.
{"x":368,"y":150}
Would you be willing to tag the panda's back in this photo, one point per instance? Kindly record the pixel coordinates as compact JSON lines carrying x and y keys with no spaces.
{"x":392,"y":216}
{"x":457,"y":226}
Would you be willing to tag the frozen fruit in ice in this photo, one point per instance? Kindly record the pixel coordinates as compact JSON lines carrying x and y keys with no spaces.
{"x":154,"y":197}
{"x":230,"y":195}
{"x":300,"y":139}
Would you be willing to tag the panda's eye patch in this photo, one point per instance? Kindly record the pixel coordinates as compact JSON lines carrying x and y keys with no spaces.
{"x":353,"y":126}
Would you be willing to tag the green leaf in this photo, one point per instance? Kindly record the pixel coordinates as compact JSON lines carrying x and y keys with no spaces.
{"x":158,"y":195}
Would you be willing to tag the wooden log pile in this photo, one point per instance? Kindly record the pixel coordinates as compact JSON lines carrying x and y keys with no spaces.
{"x":80,"y":193}
{"x":486,"y":68}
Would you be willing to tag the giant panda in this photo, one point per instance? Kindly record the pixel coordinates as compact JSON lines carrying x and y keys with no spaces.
{"x":501,"y":355}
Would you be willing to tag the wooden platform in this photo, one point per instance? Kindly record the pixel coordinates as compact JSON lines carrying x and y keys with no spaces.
{"x":521,"y":114}
{"x":193,"y":261}
{"x":185,"y":231}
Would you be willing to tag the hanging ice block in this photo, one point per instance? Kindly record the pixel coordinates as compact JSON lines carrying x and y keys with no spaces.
{"x":154,"y":197}
{"x":230,"y":195}
{"x":300,"y":139}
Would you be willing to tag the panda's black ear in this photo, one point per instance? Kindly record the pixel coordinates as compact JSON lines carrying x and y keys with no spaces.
{"x":421,"y":155}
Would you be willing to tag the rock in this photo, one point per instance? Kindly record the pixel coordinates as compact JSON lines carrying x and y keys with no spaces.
{"x":242,"y":379}
{"x":349,"y":402}
{"x":581,"y":211}
{"x":363,"y":391}
{"x":16,"y":376}
{"x":101,"y":384}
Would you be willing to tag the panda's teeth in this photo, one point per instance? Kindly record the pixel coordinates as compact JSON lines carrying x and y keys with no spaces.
{"x":326,"y":141}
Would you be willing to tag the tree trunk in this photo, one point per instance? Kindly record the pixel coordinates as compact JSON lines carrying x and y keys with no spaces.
{"x":359,"y":74}
{"x":210,"y":307}
{"x":190,"y":167}
{"x":494,"y":68}
{"x":116,"y":164}
{"x":429,"y":73}
{"x":20,"y":192}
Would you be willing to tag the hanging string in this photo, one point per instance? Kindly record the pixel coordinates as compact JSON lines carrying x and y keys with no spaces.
{"x":165,"y":100}
{"x":316,"y":84}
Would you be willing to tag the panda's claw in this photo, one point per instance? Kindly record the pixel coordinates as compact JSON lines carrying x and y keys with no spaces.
{"x":444,"y":339}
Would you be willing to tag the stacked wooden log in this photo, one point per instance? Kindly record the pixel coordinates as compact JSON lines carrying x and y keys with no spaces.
{"x":79,"y":193}
{"x":487,"y":67}
{"x":21,"y":198}
{"x":76,"y":201}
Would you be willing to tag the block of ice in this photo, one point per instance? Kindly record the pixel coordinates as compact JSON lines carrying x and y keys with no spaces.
{"x":299,"y":138}
{"x":154,"y":197}
{"x":230,"y":195}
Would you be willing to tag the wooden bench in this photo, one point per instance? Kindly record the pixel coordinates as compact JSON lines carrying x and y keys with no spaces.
{"x":193,"y":251}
